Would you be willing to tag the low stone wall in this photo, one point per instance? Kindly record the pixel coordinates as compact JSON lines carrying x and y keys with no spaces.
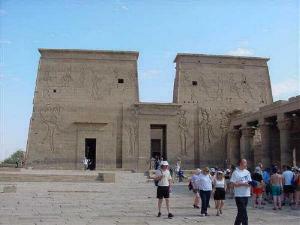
{"x":21,"y":177}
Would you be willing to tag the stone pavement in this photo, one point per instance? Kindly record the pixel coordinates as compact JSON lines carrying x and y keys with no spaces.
{"x":131,"y":200}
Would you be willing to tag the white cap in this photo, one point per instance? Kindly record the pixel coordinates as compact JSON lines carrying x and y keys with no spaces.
{"x":164,"y":163}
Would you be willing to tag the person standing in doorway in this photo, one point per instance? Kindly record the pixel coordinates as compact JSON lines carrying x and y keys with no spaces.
{"x":164,"y":179}
{"x":241,"y":179}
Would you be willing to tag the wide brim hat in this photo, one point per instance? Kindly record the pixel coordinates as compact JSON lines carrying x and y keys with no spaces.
{"x":164,"y":163}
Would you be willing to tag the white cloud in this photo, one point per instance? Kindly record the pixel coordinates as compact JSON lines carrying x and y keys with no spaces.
{"x":286,"y":89}
{"x":241,"y":52}
{"x":124,"y":7}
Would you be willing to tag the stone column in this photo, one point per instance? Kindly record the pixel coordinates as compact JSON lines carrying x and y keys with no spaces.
{"x":233,"y":146}
{"x":286,"y":153}
{"x":265,"y":155}
{"x":246,"y":145}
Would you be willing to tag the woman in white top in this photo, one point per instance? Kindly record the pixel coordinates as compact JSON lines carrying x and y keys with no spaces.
{"x":219,"y":191}
{"x":204,"y":184}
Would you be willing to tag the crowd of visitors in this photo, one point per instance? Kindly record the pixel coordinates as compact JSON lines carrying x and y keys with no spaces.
{"x":277,"y":186}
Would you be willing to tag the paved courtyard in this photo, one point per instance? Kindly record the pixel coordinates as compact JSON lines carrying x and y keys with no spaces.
{"x":131,"y":200}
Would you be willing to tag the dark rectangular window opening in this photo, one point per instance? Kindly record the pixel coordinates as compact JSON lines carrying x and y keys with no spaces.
{"x":120,"y":81}
{"x":90,"y":152}
{"x":195,"y":83}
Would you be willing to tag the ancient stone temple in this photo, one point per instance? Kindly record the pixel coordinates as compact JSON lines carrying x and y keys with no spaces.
{"x":86,"y":104}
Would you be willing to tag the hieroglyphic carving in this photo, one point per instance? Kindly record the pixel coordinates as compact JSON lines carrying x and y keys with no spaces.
{"x":246,"y":89}
{"x":233,"y":87}
{"x":50,"y":115}
{"x":183,"y":129}
{"x":206,"y":132}
{"x":66,"y":78}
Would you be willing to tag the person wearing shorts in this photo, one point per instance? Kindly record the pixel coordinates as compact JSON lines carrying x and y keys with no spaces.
{"x":276,"y":188}
{"x":288,"y":188}
{"x":164,"y":179}
{"x":258,"y":190}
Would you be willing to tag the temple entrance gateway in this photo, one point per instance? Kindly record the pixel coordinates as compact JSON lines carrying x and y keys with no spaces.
{"x":158,"y":141}
{"x":90,"y":152}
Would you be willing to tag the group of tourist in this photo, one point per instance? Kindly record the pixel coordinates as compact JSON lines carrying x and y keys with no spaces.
{"x":264,"y":185}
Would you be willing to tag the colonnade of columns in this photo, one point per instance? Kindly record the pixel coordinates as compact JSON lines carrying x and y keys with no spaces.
{"x":240,"y":143}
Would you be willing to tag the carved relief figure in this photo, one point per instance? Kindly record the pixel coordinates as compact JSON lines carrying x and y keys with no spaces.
{"x":50,"y":115}
{"x":183,"y":129}
{"x":224,"y":123}
{"x":220,"y":88}
{"x":205,"y":129}
{"x":132,"y":131}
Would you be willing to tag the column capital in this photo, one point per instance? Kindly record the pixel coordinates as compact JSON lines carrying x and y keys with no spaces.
{"x":284,"y":124}
{"x":248,"y":131}
{"x":234,"y":133}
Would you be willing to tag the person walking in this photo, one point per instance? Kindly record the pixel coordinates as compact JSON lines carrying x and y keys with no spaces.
{"x":194,"y":179}
{"x":219,"y":192}
{"x":164,"y":179}
{"x":241,"y":180}
{"x":205,"y":187}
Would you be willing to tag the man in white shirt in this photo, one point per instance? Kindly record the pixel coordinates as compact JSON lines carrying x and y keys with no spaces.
{"x":164,"y":179}
{"x":240,"y":179}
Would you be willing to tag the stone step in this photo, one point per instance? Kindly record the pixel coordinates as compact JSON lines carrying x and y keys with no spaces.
{"x":21,"y":177}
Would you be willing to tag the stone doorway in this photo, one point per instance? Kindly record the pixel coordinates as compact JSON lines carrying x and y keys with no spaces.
{"x":158,"y":141}
{"x":90,"y":152}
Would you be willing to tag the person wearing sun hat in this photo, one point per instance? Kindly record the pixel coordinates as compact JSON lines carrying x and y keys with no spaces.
{"x":164,"y":179}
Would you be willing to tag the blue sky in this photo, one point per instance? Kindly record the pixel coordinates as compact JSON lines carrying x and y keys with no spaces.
{"x":157,"y":29}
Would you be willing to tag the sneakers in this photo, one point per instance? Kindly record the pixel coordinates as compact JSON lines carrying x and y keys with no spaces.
{"x":170,"y":215}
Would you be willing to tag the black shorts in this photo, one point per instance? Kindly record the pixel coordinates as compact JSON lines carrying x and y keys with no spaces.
{"x":288,"y":189}
{"x":219,"y":194}
{"x":163,"y":192}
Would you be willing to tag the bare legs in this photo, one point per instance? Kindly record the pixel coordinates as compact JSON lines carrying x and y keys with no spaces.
{"x":277,"y":202}
{"x":160,"y":204}
{"x":197,"y":199}
{"x":219,"y":206}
